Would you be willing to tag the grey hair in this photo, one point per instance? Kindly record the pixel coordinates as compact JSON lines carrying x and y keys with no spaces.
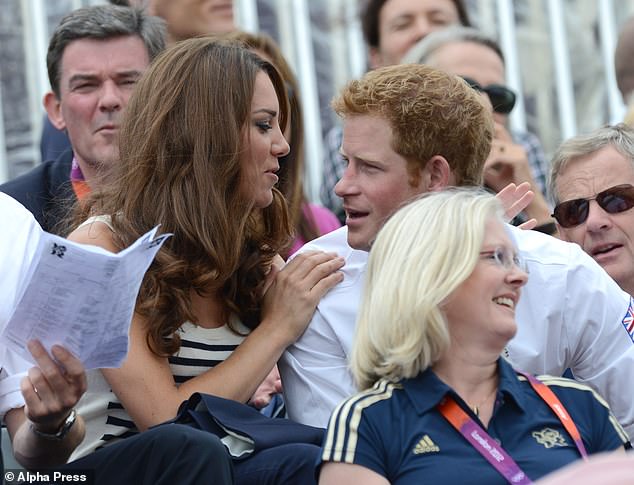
{"x":102,"y":22}
{"x":423,"y":50}
{"x":620,"y":136}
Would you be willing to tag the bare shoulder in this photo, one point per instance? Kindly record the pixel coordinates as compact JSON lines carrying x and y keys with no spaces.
{"x":95,"y":233}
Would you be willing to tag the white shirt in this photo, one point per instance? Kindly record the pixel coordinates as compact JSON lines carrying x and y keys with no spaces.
{"x":570,"y":315}
{"x":18,"y":242}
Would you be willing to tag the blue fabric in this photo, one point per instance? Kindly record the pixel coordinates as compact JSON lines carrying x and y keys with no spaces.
{"x":160,"y":456}
{"x":216,"y":414}
{"x":402,"y":436}
{"x":290,"y":464}
{"x":54,"y":142}
{"x":282,"y":451}
{"x":46,"y":191}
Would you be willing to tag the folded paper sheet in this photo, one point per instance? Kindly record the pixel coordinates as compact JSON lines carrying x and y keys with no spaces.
{"x":81,"y":297}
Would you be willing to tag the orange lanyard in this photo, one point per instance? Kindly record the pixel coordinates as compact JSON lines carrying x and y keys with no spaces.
{"x":488,"y":447}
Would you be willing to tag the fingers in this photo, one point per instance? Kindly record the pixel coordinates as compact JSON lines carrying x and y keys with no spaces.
{"x":325,"y":284}
{"x":529,"y":224}
{"x":515,"y":198}
{"x":310,"y":268}
{"x":292,"y":298}
{"x":53,"y":387}
{"x":74,"y":369}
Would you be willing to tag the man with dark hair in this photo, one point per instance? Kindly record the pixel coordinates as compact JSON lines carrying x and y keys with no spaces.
{"x":391,"y":27}
{"x":94,"y":59}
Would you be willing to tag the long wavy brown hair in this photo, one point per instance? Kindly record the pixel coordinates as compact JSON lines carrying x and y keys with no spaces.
{"x":292,"y":165}
{"x":181,"y":144}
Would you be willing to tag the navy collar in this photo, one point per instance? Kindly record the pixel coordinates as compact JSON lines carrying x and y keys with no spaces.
{"x":426,"y":390}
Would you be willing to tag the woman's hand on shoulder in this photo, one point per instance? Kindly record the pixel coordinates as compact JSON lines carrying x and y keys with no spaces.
{"x":295,"y":291}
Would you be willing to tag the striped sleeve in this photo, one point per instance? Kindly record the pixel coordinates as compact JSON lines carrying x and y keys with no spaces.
{"x":351,"y":436}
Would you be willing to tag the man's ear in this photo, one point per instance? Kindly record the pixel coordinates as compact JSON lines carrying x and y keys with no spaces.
{"x":53,"y":108}
{"x":437,"y":174}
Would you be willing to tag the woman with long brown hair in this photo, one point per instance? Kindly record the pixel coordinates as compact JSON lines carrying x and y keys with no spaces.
{"x":308,"y":220}
{"x":199,"y":152}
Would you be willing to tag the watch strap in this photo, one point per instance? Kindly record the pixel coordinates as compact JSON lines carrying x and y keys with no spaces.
{"x":63,"y":430}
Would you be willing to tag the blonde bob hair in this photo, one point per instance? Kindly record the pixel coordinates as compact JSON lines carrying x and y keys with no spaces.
{"x":421,"y":255}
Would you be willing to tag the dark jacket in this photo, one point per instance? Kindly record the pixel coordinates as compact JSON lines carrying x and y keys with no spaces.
{"x":46,"y":191}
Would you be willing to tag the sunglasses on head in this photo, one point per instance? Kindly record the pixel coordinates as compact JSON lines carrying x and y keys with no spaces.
{"x":502,"y":98}
{"x":613,"y":200}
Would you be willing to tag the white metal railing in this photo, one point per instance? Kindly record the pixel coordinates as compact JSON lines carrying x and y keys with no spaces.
{"x":508,"y":43}
{"x":295,"y":29}
{"x":563,"y":78}
{"x":35,"y":34}
{"x":4,"y":165}
{"x":607,"y":33}
{"x":247,"y":15}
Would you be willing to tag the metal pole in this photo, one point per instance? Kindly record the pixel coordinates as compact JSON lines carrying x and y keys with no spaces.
{"x":246,"y":14}
{"x":36,"y":42}
{"x":4,"y":160}
{"x":356,"y":44}
{"x":508,"y":43}
{"x":608,"y":44}
{"x":563,"y":79}
{"x":309,"y":98}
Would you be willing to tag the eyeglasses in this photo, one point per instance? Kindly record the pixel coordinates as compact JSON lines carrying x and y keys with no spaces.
{"x":502,"y":98}
{"x":613,"y":200}
{"x":505,"y":259}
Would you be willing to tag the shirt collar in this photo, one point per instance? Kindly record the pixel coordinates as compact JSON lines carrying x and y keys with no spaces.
{"x":426,"y":390}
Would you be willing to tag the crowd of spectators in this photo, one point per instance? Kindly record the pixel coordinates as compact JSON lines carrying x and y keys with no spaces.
{"x":416,"y":328}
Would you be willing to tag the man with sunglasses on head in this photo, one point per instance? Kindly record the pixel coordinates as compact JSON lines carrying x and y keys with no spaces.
{"x":515,"y":156}
{"x":592,"y":183}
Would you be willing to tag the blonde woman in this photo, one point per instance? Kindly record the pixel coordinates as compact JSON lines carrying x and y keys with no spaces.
{"x":438,"y":403}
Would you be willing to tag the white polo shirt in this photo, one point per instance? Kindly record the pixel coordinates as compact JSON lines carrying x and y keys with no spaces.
{"x":570,"y":315}
{"x":18,"y":242}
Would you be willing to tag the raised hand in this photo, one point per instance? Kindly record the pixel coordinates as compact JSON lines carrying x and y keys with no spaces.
{"x":53,"y":387}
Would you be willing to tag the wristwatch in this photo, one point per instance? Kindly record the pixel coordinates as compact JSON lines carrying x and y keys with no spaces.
{"x":63,"y":430}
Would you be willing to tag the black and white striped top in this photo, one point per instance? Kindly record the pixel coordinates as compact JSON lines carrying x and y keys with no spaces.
{"x":201,"y":349}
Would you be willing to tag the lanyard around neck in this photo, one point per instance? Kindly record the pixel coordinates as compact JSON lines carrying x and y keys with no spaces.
{"x":488,"y":447}
{"x":554,"y":403}
{"x":482,"y":442}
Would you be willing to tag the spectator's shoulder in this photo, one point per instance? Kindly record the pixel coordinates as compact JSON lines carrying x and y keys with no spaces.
{"x":538,"y":247}
{"x":42,"y":178}
{"x":337,"y":242}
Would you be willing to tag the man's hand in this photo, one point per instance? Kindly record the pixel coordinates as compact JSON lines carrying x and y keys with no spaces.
{"x":507,"y":162}
{"x":514,"y":199}
{"x":50,"y":392}
{"x":52,"y":388}
{"x":270,"y":386}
